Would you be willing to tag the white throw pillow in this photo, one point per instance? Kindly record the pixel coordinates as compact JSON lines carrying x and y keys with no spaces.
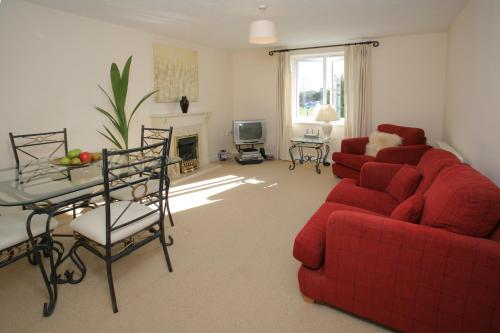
{"x":379,"y":140}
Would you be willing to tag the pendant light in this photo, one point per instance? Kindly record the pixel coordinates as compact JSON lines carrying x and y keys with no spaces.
{"x":262,"y":31}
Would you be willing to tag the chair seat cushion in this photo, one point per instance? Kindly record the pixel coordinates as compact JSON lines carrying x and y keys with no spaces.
{"x":350,"y":194}
{"x":309,"y":245}
{"x":92,"y":225}
{"x":125,"y":194}
{"x":352,"y":161}
{"x":13,"y":227}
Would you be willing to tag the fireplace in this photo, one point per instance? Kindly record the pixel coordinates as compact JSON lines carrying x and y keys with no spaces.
{"x":187,"y":150}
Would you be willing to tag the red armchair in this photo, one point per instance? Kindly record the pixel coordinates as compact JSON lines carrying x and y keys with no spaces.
{"x":350,"y":159}
{"x":440,"y":274}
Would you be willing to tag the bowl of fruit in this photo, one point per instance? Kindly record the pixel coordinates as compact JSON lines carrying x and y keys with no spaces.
{"x":77,"y":158}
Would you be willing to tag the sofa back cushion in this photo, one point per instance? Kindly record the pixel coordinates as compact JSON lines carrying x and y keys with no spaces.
{"x":409,"y":210}
{"x":464,"y":201}
{"x":404,"y":183}
{"x":431,"y":164}
{"x":410,"y":135}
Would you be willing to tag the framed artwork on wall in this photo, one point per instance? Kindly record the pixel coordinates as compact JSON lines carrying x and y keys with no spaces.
{"x":175,"y":73}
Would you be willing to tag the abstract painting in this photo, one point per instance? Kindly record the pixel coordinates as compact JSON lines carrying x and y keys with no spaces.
{"x":176,"y":73}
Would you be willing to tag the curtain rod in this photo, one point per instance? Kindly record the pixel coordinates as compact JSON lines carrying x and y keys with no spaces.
{"x":373,"y":42}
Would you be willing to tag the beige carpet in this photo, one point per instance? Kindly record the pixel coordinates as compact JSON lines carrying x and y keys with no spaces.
{"x":232,"y":259}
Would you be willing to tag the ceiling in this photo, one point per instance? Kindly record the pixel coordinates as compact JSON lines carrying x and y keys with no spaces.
{"x":224,"y":23}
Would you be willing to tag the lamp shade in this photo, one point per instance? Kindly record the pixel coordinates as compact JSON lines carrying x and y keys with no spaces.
{"x":262,"y":32}
{"x":327,"y":113}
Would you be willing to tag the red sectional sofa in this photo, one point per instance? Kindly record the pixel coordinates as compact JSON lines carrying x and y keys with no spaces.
{"x":440,"y":274}
{"x":350,"y":159}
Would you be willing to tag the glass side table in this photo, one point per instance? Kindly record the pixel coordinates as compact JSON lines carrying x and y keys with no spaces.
{"x":299,"y":143}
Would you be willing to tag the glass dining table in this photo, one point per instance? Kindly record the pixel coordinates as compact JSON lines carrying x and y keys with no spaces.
{"x":43,"y":187}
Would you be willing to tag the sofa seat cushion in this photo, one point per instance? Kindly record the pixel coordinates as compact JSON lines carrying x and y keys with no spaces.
{"x":13,"y":227}
{"x":350,"y":194}
{"x":464,"y":201}
{"x":92,"y":224}
{"x":409,"y":210}
{"x":404,"y":183}
{"x":351,"y":160}
{"x":309,"y":245}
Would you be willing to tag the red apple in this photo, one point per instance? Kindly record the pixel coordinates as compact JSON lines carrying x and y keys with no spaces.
{"x":85,"y":157}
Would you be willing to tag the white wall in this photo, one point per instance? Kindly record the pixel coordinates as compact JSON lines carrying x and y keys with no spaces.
{"x":472,"y":117}
{"x":51,"y":63}
{"x":409,"y":74}
{"x":409,"y":78}
{"x":254,"y":79}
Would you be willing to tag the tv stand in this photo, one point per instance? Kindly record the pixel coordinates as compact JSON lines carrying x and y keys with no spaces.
{"x":248,"y":155}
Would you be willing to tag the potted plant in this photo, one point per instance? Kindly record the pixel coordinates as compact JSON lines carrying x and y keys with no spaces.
{"x":118,"y":117}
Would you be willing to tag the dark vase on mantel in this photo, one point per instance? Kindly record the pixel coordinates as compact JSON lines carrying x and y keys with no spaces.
{"x":184,"y":104}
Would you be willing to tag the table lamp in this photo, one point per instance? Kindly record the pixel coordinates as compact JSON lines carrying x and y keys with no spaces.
{"x":327,"y":114}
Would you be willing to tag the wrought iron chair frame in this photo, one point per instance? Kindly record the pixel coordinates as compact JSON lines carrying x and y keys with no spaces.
{"x":158,"y":134}
{"x":137,"y":240}
{"x":38,"y":139}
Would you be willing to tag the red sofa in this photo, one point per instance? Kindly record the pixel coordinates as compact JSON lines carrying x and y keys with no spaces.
{"x":350,"y":159}
{"x":441,"y":274}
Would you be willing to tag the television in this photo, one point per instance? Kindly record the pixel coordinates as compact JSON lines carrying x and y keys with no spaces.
{"x":248,"y":131}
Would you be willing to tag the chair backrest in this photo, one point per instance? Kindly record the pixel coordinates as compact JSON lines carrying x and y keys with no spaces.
{"x":151,"y":135}
{"x":410,"y":135}
{"x":135,"y":168}
{"x":29,"y":148}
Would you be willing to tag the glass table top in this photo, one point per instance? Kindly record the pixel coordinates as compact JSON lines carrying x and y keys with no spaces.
{"x":43,"y":180}
{"x":304,"y":139}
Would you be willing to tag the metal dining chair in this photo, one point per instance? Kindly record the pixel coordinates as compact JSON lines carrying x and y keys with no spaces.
{"x":117,"y":228}
{"x":14,"y":238}
{"x":32,"y":154}
{"x":151,"y":136}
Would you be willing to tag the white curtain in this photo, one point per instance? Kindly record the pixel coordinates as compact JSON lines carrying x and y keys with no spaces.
{"x":284,"y":116}
{"x":358,"y":90}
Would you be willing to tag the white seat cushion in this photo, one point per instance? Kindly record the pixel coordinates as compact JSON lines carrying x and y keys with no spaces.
{"x":93,"y":224}
{"x":13,"y":227}
{"x":125,"y":194}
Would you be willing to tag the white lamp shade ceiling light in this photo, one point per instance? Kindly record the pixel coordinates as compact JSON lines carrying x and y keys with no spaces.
{"x":262,"y":32}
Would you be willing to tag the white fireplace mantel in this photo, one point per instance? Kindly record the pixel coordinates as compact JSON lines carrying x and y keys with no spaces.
{"x":185,"y":124}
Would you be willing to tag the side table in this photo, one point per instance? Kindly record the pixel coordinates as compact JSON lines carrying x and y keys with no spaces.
{"x":315,"y":143}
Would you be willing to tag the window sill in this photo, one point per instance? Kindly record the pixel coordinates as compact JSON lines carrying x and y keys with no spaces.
{"x":313,"y":122}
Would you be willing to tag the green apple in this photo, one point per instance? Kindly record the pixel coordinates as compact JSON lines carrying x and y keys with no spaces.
{"x":75,"y":161}
{"x":64,"y":161}
{"x":74,"y":153}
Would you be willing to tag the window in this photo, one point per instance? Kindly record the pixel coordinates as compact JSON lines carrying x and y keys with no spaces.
{"x":317,"y":80}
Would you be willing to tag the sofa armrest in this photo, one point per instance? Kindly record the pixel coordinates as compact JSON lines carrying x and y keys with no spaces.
{"x":437,"y":277}
{"x":377,"y":176}
{"x":354,"y":145}
{"x":402,"y":154}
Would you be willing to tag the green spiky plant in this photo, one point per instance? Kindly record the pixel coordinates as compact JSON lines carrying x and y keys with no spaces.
{"x":118,"y":118}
